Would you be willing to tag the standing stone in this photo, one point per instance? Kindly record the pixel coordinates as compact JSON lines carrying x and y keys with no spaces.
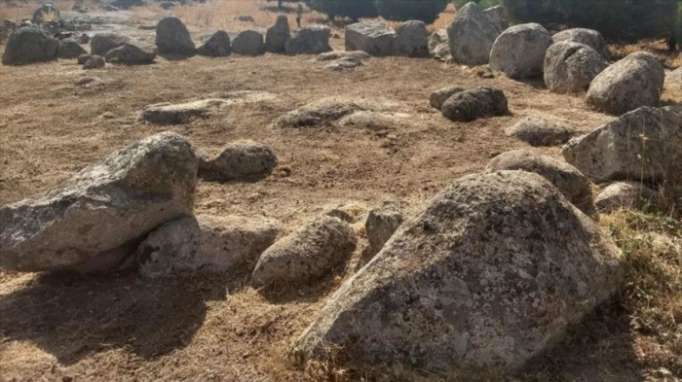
{"x":311,"y":252}
{"x":47,"y":13}
{"x":218,"y":45}
{"x":570,"y":67}
{"x":104,"y":42}
{"x":239,"y":161}
{"x":69,"y":48}
{"x":481,"y":282}
{"x":29,"y":45}
{"x":519,"y":52}
{"x":498,"y":16}
{"x":439,"y":45}
{"x":636,"y":80}
{"x":381,"y":223}
{"x":373,"y":37}
{"x":248,"y":43}
{"x":471,"y":36}
{"x":642,"y":145}
{"x":277,"y":35}
{"x":411,"y":39}
{"x":471,"y":104}
{"x":173,"y":38}
{"x":96,"y":218}
{"x":589,"y":37}
{"x":312,"y":39}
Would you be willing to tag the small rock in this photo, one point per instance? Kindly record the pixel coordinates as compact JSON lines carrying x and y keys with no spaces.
{"x":343,"y":64}
{"x":69,"y":48}
{"x":173,"y":114}
{"x":94,"y":62}
{"x":129,"y":54}
{"x":625,"y":195}
{"x":356,"y":55}
{"x":471,"y":104}
{"x":441,"y":95}
{"x":381,"y":223}
{"x":240,"y":161}
{"x":538,"y":131}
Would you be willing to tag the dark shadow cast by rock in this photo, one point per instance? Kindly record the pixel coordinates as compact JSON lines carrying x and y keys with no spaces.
{"x":72,"y":316}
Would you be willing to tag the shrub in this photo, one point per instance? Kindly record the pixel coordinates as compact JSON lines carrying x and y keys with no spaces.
{"x":353,"y":9}
{"x":401,"y":10}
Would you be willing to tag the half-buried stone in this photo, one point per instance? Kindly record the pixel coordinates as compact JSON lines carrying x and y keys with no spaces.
{"x":95,"y":220}
{"x":129,"y":54}
{"x":625,"y":195}
{"x":70,"y":48}
{"x":315,"y":250}
{"x":380,"y":225}
{"x":239,"y":161}
{"x":481,"y":281}
{"x":569,"y":180}
{"x":332,"y":111}
{"x":102,"y":43}
{"x":471,"y":104}
{"x":539,"y":131}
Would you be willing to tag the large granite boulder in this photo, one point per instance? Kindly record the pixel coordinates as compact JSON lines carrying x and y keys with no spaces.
{"x":102,"y":43}
{"x":589,"y":37}
{"x":478,"y":284}
{"x":642,"y":145}
{"x":471,"y":35}
{"x":248,"y":43}
{"x":28,"y":45}
{"x":519,"y":52}
{"x":411,"y":39}
{"x":96,"y":218}
{"x":570,"y":67}
{"x":277,"y":35}
{"x":218,"y":45}
{"x":634,"y":81}
{"x":373,"y":37}
{"x":173,"y":38}
{"x":312,"y":39}
{"x":498,"y":16}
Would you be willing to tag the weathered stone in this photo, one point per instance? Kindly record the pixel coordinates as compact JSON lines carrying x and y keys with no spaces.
{"x":471,"y":104}
{"x":277,"y":35}
{"x":94,"y":62}
{"x":98,"y":216}
{"x":173,"y":38}
{"x":355,"y":55}
{"x":29,"y":45}
{"x":83,"y":58}
{"x":636,"y":80}
{"x":411,"y":39}
{"x":327,"y":111}
{"x":642,"y":145}
{"x":625,"y":195}
{"x":441,"y":95}
{"x":570,"y":67}
{"x":439,"y":45}
{"x":569,"y":180}
{"x":312,"y":39}
{"x":311,"y":252}
{"x":47,"y":13}
{"x":481,"y":281}
{"x":129,"y":54}
{"x":498,"y":16}
{"x":104,"y":42}
{"x":537,"y":131}
{"x":471,"y":35}
{"x":372,"y":37}
{"x":240,"y":161}
{"x":381,"y":223}
{"x":589,"y":37}
{"x":248,"y":43}
{"x":218,"y":45}
{"x":343,"y":64}
{"x":69,"y":48}
{"x":172,"y":114}
{"x":205,"y":243}
{"x":519,"y":52}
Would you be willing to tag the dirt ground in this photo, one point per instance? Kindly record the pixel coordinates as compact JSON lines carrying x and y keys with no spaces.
{"x":218,"y":328}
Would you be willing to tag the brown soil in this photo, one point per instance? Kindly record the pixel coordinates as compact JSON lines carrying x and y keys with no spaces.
{"x":121,"y":327}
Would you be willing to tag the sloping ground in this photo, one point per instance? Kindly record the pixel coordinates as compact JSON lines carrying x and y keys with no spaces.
{"x":58,"y":327}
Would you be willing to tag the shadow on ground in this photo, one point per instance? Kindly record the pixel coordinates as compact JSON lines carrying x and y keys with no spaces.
{"x":72,"y":316}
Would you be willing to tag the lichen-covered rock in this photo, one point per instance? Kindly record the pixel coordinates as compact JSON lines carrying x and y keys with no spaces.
{"x":311,"y":252}
{"x":277,"y":35}
{"x":69,"y":48}
{"x":482,"y":280}
{"x":380,"y":225}
{"x":342,"y":55}
{"x":129,"y":54}
{"x":312,"y":39}
{"x":102,"y":43}
{"x":441,"y":95}
{"x":173,"y":114}
{"x":28,"y":45}
{"x":589,"y":37}
{"x":328,"y":111}
{"x":569,"y":180}
{"x":218,"y":45}
{"x":471,"y":35}
{"x":411,"y":39}
{"x":205,"y":243}
{"x":471,"y":104}
{"x":90,"y":223}
{"x":372,"y":37}
{"x":239,"y":161}
{"x":642,"y":145}
{"x":634,"y":81}
{"x":519,"y":52}
{"x":537,"y":131}
{"x":570,"y":67}
{"x":173,"y":38}
{"x":248,"y":43}
{"x":498,"y":16}
{"x":625,"y":195}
